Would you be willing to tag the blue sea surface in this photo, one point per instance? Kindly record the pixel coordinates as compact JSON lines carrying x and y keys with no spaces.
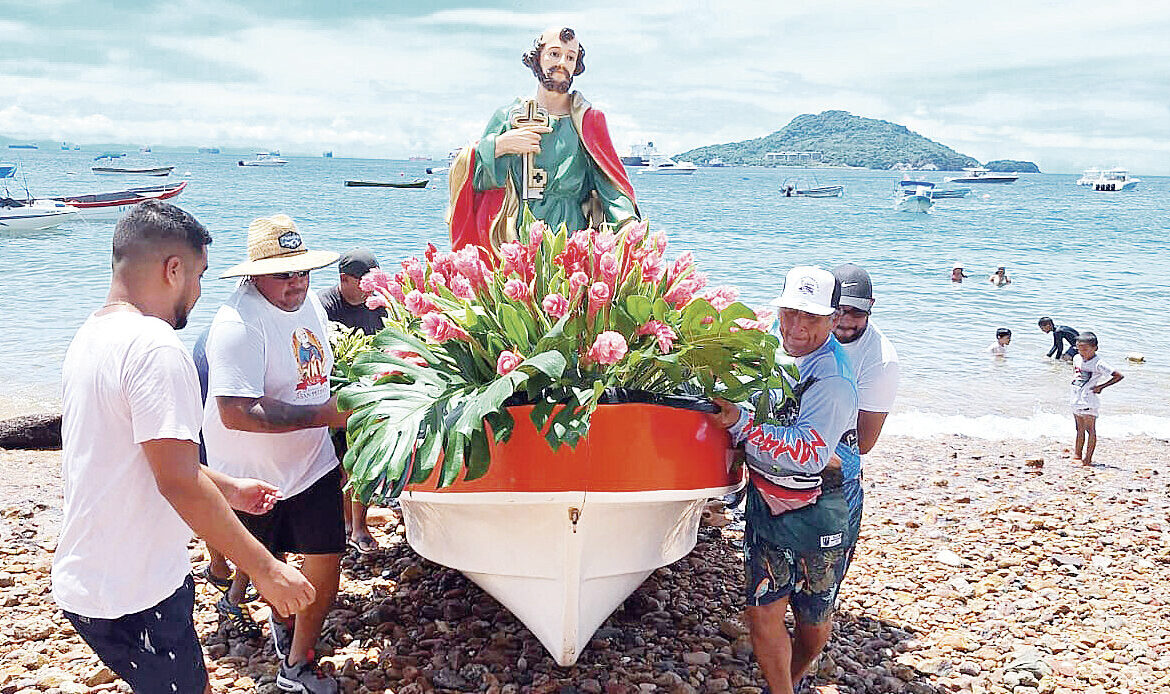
{"x":1095,"y":261}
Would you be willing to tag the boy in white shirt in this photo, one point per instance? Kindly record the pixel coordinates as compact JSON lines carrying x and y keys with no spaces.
{"x":1086,"y":386}
{"x":1003,"y":338}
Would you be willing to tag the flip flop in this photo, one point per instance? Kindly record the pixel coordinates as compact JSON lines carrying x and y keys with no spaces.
{"x":363,"y":546}
{"x":221,"y":584}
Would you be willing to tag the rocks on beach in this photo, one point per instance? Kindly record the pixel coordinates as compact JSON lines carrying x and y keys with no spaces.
{"x":1010,"y":577}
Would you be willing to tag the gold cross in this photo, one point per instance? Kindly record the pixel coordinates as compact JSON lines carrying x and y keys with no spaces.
{"x":527,"y":114}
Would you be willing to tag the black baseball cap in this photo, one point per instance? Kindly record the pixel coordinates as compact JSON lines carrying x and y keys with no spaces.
{"x":856,"y":289}
{"x":357,"y":262}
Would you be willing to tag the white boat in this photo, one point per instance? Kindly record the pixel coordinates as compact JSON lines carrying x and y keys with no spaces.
{"x":132,"y":170}
{"x":1112,"y":180}
{"x":1088,"y":177}
{"x":978,"y":174}
{"x":913,"y":196}
{"x":943,"y":193}
{"x":548,"y":534}
{"x":19,"y":215}
{"x":715,"y":162}
{"x":806,"y":189}
{"x":667,"y":166}
{"x":264,"y":159}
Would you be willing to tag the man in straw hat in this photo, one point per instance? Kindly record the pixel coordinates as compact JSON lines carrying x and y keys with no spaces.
{"x":134,"y":489}
{"x":268,"y":414}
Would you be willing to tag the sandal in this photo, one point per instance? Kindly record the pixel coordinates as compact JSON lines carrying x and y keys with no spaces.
{"x":240,"y":618}
{"x":364,"y":545}
{"x":223,"y":585}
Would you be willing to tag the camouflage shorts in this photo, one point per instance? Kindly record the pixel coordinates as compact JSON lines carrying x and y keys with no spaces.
{"x":810,"y":580}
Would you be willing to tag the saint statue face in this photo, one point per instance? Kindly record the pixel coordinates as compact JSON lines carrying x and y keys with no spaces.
{"x":558,"y":63}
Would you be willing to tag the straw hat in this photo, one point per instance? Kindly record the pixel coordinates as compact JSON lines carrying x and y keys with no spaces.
{"x":275,"y":245}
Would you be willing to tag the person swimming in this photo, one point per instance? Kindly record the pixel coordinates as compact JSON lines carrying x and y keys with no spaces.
{"x":999,"y":277}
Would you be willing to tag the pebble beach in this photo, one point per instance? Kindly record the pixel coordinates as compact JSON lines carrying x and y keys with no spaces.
{"x":985,"y":566}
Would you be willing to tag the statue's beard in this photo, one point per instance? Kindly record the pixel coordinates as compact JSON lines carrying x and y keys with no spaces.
{"x":553,"y":85}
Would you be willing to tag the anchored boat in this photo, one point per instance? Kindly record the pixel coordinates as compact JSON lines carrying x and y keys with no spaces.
{"x":418,"y":183}
{"x":131,"y":171}
{"x":22,"y":215}
{"x":113,"y":205}
{"x":978,"y":174}
{"x":549,"y":534}
{"x":913,"y":196}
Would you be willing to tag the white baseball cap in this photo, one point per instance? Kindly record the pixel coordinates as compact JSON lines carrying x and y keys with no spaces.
{"x":810,"y":289}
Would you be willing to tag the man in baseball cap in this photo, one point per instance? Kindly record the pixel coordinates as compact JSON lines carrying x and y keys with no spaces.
{"x":797,"y":536}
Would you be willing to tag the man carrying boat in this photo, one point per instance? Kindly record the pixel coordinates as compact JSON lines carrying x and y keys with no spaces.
{"x":798,"y":535}
{"x":552,"y":153}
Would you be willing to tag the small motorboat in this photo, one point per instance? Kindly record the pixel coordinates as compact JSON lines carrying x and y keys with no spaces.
{"x":913,"y":196}
{"x":944,"y":193}
{"x":1112,"y":180}
{"x":112,"y":205}
{"x":23,"y":215}
{"x":264,"y":159}
{"x":417,"y":183}
{"x":797,"y":188}
{"x":132,"y":171}
{"x":978,"y":174}
{"x":667,"y":166}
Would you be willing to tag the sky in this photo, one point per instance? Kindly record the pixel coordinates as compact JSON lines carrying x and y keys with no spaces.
{"x":1069,"y":85}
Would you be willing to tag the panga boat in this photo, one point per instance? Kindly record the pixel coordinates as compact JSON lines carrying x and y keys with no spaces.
{"x":943,"y":193}
{"x":803,"y":189}
{"x":669,"y":166}
{"x":131,"y":171}
{"x":264,"y":159}
{"x":1113,"y":180}
{"x":22,"y":215}
{"x":913,"y":196}
{"x":112,"y":205}
{"x":417,"y":183}
{"x":978,"y":174}
{"x":562,"y":539}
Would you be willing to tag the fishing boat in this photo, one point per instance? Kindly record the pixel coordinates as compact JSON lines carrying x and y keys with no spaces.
{"x":669,"y":167}
{"x":23,"y":215}
{"x":548,"y":534}
{"x":913,"y":196}
{"x":795,"y":187}
{"x":112,"y":205}
{"x":264,"y":159}
{"x":417,"y":183}
{"x":1112,"y":180}
{"x":133,"y":171}
{"x":24,"y":146}
{"x":978,"y":174}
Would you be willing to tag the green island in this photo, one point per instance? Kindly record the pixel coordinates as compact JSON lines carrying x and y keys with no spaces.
{"x":839,"y":138}
{"x":1012,"y":166}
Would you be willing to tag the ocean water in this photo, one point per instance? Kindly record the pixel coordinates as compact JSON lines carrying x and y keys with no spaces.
{"x":1095,"y":261}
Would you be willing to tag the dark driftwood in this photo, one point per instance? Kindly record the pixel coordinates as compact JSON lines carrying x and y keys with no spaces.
{"x":31,"y":431}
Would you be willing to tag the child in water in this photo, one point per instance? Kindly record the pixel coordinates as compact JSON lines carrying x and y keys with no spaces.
{"x":1003,"y":338}
{"x":999,"y":277}
{"x":1088,"y":383}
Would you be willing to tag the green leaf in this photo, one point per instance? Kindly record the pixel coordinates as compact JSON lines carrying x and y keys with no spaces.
{"x":515,"y":325}
{"x":639,"y":308}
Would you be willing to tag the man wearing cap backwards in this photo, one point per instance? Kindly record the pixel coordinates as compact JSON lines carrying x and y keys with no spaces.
{"x":584,"y":181}
{"x":134,"y":489}
{"x":875,"y":364}
{"x":268,"y":414}
{"x":797,"y":516}
{"x":345,"y":303}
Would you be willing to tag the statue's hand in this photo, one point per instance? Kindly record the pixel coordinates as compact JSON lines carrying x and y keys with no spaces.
{"x":525,"y":140}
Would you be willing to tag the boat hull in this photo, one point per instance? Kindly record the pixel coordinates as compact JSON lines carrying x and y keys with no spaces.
{"x":821,"y":192}
{"x":104,"y":206}
{"x":36,"y":217}
{"x":123,"y":171}
{"x":981,"y":179}
{"x":918,"y":204}
{"x":549,"y":534}
{"x":387,"y":184}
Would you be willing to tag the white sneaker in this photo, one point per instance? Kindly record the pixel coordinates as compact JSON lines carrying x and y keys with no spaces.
{"x":281,"y":635}
{"x":304,"y":677}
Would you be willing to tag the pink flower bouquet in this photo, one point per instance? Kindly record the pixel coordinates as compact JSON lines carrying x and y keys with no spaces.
{"x":556,"y":320}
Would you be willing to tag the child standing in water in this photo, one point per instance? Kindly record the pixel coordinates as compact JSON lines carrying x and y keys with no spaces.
{"x":1088,"y":383}
{"x":1003,"y":338}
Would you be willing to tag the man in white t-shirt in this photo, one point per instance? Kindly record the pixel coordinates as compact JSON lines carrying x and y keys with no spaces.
{"x":268,"y":415}
{"x":875,"y":365}
{"x":134,"y":488}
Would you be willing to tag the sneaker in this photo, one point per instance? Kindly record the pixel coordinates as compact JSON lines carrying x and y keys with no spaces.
{"x":239,"y":617}
{"x":304,"y":677}
{"x":281,"y":634}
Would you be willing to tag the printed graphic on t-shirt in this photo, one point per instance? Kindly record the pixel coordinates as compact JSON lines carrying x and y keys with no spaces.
{"x":310,"y":359}
{"x":1082,"y":373}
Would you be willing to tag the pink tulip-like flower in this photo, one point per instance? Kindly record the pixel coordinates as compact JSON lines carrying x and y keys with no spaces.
{"x":536,"y":234}
{"x":515,"y":258}
{"x":576,"y":281}
{"x":517,"y":290}
{"x":471,"y":266}
{"x":395,"y":291}
{"x":604,"y":241}
{"x":576,"y":252}
{"x":652,"y":267}
{"x":437,"y":280}
{"x":608,"y":348}
{"x":683,"y":263}
{"x":599,"y":295}
{"x":721,"y":297}
{"x":375,"y":279}
{"x":662,"y":333}
{"x":507,"y":361}
{"x":460,"y":286}
{"x":419,"y":304}
{"x":445,"y":263}
{"x":415,"y":271}
{"x":765,"y":316}
{"x":376,"y":301}
{"x":431,"y":253}
{"x":440,"y":328}
{"x":556,"y":306}
{"x":636,"y":232}
{"x":608,"y":264}
{"x":658,"y":242}
{"x":749,"y":324}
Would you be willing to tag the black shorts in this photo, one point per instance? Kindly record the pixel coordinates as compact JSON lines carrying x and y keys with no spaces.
{"x":155,"y":650}
{"x":311,"y":522}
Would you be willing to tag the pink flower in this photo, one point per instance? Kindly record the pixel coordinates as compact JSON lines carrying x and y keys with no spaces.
{"x":555,"y":306}
{"x":415,"y":271}
{"x":603,"y":241}
{"x":374,"y":279}
{"x":652,"y":267}
{"x":608,"y":348}
{"x":517,"y":290}
{"x":419,"y":304}
{"x":636,"y":232}
{"x":608,"y":265}
{"x":396,"y":292}
{"x":445,"y":263}
{"x":599,"y":295}
{"x":576,"y":252}
{"x":662,"y":332}
{"x":749,"y":324}
{"x":437,"y":280}
{"x":765,"y":316}
{"x":576,"y":281}
{"x":441,"y":328}
{"x":471,"y":266}
{"x":507,"y":361}
{"x":461,"y":287}
{"x":430,"y":253}
{"x":684,"y":262}
{"x":721,"y":297}
{"x":658,"y":241}
{"x":406,"y":356}
{"x":515,"y":259}
{"x":536,"y":234}
{"x":376,"y":301}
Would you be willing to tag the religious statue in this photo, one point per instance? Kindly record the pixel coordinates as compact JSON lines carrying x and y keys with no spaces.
{"x":552,"y":153}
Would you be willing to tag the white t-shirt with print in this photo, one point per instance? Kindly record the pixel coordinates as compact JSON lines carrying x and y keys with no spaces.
{"x":126,"y":379}
{"x":1086,"y":375}
{"x":255,"y":349}
{"x":875,"y":364}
